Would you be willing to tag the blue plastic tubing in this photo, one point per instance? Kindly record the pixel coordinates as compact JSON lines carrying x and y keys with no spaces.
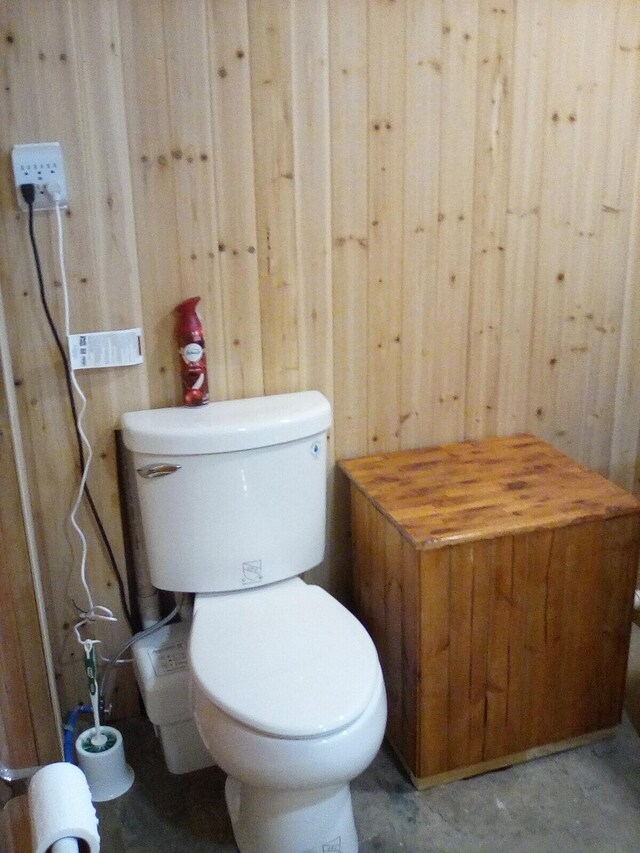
{"x":70,"y":730}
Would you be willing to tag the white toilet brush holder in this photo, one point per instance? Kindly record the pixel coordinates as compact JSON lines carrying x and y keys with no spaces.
{"x":107,"y":772}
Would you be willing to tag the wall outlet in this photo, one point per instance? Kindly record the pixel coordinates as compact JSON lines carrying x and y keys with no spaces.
{"x":42,"y":165}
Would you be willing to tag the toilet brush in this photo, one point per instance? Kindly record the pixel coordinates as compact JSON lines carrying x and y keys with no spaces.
{"x":99,"y":740}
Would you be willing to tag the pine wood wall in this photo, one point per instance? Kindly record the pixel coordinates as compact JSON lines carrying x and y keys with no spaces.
{"x":430,"y":211}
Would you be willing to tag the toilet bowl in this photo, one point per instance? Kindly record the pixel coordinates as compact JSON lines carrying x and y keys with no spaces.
{"x":292,"y":723}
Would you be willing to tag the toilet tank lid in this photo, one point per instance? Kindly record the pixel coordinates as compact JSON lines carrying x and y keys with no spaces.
{"x":287,"y":660}
{"x":228,"y":425}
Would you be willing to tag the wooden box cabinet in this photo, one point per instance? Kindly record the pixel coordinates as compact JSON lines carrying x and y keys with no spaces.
{"x":496,"y":578}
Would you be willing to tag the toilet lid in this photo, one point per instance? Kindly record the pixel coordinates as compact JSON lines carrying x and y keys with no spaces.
{"x":288,"y":659}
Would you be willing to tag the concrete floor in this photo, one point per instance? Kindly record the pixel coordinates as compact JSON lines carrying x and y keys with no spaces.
{"x":585,"y":800}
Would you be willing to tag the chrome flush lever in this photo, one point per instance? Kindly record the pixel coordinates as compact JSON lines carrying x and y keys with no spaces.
{"x":152,"y":472}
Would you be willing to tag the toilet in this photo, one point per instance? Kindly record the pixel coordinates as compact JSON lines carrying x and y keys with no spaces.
{"x":286,"y":687}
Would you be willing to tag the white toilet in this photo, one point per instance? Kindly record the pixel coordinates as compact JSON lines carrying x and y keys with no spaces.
{"x":287,"y":689}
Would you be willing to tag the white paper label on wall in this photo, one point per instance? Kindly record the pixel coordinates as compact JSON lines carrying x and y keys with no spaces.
{"x":105,"y":349}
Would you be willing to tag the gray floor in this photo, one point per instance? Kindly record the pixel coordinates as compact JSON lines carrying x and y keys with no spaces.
{"x":586,"y":800}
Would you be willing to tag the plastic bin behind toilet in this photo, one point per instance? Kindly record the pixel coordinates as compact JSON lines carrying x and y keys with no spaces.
{"x":162,"y":671}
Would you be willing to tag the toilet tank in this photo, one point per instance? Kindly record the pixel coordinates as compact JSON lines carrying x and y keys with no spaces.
{"x":232,"y":494}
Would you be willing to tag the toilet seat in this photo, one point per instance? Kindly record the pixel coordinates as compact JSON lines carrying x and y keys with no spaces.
{"x":287,"y":660}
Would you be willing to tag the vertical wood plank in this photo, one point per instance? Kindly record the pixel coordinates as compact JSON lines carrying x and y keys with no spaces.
{"x":536,"y":550}
{"x":189,"y":103}
{"x":398,"y":627}
{"x":482,"y":596}
{"x":457,"y":141}
{"x":530,"y":69}
{"x":232,"y":126}
{"x":271,"y":97}
{"x":586,"y":303}
{"x":494,"y":107}
{"x":517,"y":679}
{"x":349,"y":217}
{"x":577,"y":104}
{"x":422,"y":115}
{"x":461,"y":611}
{"x":621,"y":545}
{"x":149,"y":133}
{"x":411,"y":644}
{"x":608,"y":352}
{"x":434,"y":652}
{"x":498,"y":656}
{"x":386,"y":52}
{"x":312,"y":185}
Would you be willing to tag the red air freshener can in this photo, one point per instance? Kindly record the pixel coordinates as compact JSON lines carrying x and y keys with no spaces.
{"x":193,"y":362}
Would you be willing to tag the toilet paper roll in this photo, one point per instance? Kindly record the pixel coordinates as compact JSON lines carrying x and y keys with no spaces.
{"x":60,"y":807}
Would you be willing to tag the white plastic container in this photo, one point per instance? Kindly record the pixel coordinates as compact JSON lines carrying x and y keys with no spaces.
{"x":162,"y":671}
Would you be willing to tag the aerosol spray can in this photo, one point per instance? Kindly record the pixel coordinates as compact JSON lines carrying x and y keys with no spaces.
{"x":193,"y":363}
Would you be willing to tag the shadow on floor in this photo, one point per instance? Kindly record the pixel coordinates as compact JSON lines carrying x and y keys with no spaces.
{"x":585,"y":800}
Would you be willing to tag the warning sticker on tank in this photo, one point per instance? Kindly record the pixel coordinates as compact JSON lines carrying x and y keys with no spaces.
{"x":169,"y":658}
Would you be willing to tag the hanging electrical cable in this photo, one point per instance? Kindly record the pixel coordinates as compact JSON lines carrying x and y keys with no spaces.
{"x":28,"y":193}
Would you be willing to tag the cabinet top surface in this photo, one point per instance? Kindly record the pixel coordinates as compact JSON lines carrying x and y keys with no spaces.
{"x":470,"y":490}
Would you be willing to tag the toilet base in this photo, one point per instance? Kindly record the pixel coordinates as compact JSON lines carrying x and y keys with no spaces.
{"x":268,"y":820}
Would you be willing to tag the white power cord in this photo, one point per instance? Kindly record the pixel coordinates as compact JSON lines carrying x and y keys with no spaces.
{"x":94,"y":612}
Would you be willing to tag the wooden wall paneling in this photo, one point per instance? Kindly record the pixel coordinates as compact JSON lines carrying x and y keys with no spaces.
{"x":386,"y":51}
{"x":521,"y":245}
{"x":457,"y":141}
{"x":271,"y":88}
{"x":149,"y":137}
{"x":189,"y":110}
{"x":585,"y":294}
{"x":419,"y":333}
{"x":283,"y":100}
{"x":231,"y":118}
{"x":611,"y":265}
{"x":349,"y":222}
{"x":494,"y":107}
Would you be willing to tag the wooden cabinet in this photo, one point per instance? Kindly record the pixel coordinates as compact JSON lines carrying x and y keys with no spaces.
{"x":496,"y":578}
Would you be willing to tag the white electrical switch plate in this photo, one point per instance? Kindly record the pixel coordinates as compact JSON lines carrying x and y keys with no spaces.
{"x":42,"y":165}
{"x":105,"y":349}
